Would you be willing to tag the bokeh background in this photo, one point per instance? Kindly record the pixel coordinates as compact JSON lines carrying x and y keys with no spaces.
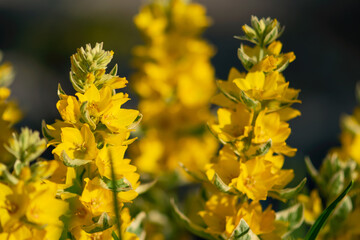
{"x":38,"y":37}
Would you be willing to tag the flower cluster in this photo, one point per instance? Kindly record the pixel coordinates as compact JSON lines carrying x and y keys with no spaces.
{"x":9,"y":111}
{"x":251,"y":125}
{"x":175,"y":81}
{"x":29,"y":208}
{"x":90,"y":141}
{"x":340,"y":166}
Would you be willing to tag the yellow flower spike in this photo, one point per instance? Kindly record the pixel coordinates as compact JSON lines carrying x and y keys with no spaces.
{"x":251,"y":125}
{"x":174,"y":82}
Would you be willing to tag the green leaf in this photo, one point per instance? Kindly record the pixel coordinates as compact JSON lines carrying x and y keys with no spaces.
{"x":283,"y":66}
{"x":121,"y":185}
{"x":195,"y":229}
{"x":85,"y":115}
{"x":137,"y":227}
{"x":114,"y":70}
{"x":315,"y":229}
{"x":246,"y":61}
{"x":76,"y":85}
{"x":144,"y":187}
{"x":103,"y":223}
{"x":341,"y":212}
{"x":336,"y":185}
{"x":72,"y":162}
{"x":255,"y":23}
{"x":192,"y":174}
{"x":293,"y":215}
{"x":60,"y":91}
{"x":220,"y":185}
{"x":45,"y":131}
{"x":136,"y":122}
{"x":287,"y":193}
{"x":230,"y":95}
{"x":243,"y":232}
{"x":262,"y":149}
{"x":271,"y":36}
{"x":115,"y":237}
{"x":312,"y":171}
{"x":249,"y":102}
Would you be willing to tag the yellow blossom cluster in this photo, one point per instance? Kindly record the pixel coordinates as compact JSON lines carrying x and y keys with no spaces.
{"x":251,"y":124}
{"x":29,"y":208}
{"x":340,"y":167}
{"x":9,"y":111}
{"x":175,"y":81}
{"x":90,"y":142}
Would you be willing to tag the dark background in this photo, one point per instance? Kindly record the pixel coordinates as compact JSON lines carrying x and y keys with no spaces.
{"x":39,"y":36}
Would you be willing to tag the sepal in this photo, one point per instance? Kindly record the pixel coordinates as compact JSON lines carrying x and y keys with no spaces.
{"x":101,"y":223}
{"x":188,"y":224}
{"x":287,"y":193}
{"x":293,"y":215}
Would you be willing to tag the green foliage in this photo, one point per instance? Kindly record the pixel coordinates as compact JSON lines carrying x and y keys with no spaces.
{"x":319,"y":223}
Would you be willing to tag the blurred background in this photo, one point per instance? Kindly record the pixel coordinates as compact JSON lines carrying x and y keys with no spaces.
{"x":39,"y":36}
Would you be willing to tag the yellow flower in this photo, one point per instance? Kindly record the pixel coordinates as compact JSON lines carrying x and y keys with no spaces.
{"x":259,"y":221}
{"x":269,"y":126}
{"x":233,"y":124}
{"x":77,"y":144}
{"x":313,"y":206}
{"x":33,"y":203}
{"x":118,"y":119}
{"x":125,"y":220}
{"x":227,"y":167}
{"x":217,"y":210}
{"x":256,"y":178}
{"x":223,"y":213}
{"x":98,"y":100}
{"x":271,"y":86}
{"x":69,"y":109}
{"x":273,"y":58}
{"x":96,"y":198}
{"x":122,"y":167}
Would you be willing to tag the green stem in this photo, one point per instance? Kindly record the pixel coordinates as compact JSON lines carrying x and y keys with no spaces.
{"x":115,"y":197}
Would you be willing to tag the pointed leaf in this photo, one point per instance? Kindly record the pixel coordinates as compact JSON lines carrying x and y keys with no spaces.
{"x":294,"y":216}
{"x":102,"y":224}
{"x":315,"y":229}
{"x":197,"y":230}
{"x":144,"y":187}
{"x":137,"y":227}
{"x":246,"y":61}
{"x":312,"y":170}
{"x":263,"y":149}
{"x":287,"y":193}
{"x":86,"y":115}
{"x":72,"y":162}
{"x":249,"y":102}
{"x":243,"y":232}
{"x":121,"y":185}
